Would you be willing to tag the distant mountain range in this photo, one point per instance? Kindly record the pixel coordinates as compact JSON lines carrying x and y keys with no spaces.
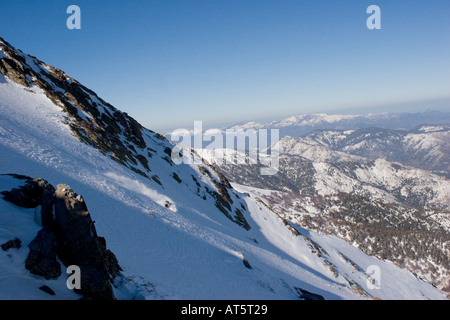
{"x":300,"y":125}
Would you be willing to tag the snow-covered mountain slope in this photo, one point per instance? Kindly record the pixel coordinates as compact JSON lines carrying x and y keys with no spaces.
{"x":300,"y":125}
{"x":414,"y":238}
{"x":354,"y":199}
{"x":376,"y":179}
{"x":178,"y":231}
{"x":425,"y":147}
{"x":315,"y":151}
{"x":382,"y":179}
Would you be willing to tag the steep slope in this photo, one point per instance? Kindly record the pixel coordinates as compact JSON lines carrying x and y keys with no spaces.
{"x":414,"y":238}
{"x":178,"y":231}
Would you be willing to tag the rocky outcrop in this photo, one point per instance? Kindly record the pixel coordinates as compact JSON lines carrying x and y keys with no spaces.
{"x":34,"y":193}
{"x":69,"y":236}
{"x":13,"y":69}
{"x":79,"y":244}
{"x":42,"y":260}
{"x":222,"y":196}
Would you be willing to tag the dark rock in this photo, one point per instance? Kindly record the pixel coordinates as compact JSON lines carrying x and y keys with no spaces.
{"x":16,"y":243}
{"x":47,"y":197}
{"x":247,"y":264}
{"x":33,"y":193}
{"x":20,"y":198}
{"x":42,"y":260}
{"x":48,"y":290}
{"x":110,"y":260}
{"x":69,"y":234}
{"x":14,"y":70}
{"x":79,"y":244}
{"x":222,"y":197}
{"x":17,"y":176}
{"x":306,"y":295}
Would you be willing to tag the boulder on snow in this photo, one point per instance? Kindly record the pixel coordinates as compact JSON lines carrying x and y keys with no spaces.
{"x":33,"y":193}
{"x":42,"y":259}
{"x":16,"y":243}
{"x":79,"y":244}
{"x":306,"y":295}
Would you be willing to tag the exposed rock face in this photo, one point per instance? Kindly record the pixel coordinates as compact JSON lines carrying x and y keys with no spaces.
{"x":13,"y":69}
{"x":70,"y":236}
{"x":222,"y":196}
{"x":79,"y":244}
{"x":42,"y":259}
{"x":109,"y":259}
{"x":35,"y":192}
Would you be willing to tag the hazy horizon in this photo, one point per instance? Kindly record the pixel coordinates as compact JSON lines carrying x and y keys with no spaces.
{"x":439,"y":105}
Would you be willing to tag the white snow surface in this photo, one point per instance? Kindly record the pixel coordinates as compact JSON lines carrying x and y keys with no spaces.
{"x":184,"y":250}
{"x":314,"y":151}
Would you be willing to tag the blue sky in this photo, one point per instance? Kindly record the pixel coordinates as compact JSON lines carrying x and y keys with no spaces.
{"x":170,"y":62}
